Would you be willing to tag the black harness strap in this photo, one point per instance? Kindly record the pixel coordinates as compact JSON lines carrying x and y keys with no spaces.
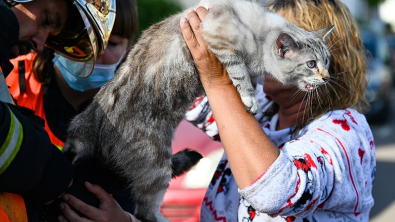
{"x":22,"y":81}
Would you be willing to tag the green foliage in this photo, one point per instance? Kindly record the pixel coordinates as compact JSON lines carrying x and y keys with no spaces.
{"x":374,"y":2}
{"x":152,"y":11}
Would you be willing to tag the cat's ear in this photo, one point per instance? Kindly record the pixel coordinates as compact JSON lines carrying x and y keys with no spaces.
{"x":324,"y":33}
{"x":285,"y":45}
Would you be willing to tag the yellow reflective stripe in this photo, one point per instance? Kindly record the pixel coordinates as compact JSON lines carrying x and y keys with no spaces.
{"x":12,"y":144}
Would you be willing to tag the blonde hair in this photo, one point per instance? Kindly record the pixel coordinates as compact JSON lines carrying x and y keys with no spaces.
{"x":348,"y":60}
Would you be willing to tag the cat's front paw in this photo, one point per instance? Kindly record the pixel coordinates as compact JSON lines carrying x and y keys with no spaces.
{"x":251,"y":104}
{"x":72,"y":150}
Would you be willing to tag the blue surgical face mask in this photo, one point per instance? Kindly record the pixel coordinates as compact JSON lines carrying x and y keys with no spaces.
{"x":100,"y":75}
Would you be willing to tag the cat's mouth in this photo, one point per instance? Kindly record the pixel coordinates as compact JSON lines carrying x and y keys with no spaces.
{"x":309,"y":87}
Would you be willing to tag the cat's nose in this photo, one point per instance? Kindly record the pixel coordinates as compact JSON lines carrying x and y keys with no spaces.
{"x":326,"y":79}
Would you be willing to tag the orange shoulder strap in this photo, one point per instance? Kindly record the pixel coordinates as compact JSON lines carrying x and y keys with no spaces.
{"x":30,"y":93}
{"x":12,"y":208}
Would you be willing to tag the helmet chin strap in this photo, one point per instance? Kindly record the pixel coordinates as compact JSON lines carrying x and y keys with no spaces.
{"x":5,"y":95}
{"x":14,"y":2}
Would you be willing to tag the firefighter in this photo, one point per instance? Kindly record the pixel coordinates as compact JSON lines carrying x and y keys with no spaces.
{"x":32,"y":170}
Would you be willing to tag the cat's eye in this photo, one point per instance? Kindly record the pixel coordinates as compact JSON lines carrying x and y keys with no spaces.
{"x":311,"y":64}
{"x":327,"y":62}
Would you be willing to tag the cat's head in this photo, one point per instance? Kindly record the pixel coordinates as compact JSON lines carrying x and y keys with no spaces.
{"x":304,"y":62}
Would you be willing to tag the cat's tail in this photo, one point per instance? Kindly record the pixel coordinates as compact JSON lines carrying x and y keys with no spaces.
{"x":184,"y":161}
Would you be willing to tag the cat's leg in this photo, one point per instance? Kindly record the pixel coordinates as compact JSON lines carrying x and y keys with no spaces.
{"x":150,"y":174}
{"x":239,"y":75}
{"x":148,"y":206}
{"x":75,"y":148}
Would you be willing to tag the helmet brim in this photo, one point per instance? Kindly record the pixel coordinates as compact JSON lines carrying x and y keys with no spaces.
{"x":85,"y":37}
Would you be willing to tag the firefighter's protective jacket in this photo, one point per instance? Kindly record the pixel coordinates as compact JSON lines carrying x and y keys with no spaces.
{"x":29,"y":164}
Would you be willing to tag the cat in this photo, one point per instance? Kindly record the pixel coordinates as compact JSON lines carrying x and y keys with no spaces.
{"x":130,"y":124}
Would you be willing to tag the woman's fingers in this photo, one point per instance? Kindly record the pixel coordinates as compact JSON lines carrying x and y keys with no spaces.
{"x":80,"y":206}
{"x":109,"y":209}
{"x":195,"y":19}
{"x":104,"y":198}
{"x":207,"y":64}
{"x":191,"y":30}
{"x":70,"y":215}
{"x":188,"y":34}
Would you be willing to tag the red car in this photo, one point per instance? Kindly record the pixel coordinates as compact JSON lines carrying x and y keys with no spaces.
{"x":185,"y":194}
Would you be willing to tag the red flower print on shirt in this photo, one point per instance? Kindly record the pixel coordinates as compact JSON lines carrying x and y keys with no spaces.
{"x":361,"y":153}
{"x":371,"y":144}
{"x":343,"y":124}
{"x":348,"y":113}
{"x":195,"y":103}
{"x":290,"y":219}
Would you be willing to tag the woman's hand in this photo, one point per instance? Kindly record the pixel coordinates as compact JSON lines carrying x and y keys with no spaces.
{"x":109,"y":209}
{"x":210,"y":69}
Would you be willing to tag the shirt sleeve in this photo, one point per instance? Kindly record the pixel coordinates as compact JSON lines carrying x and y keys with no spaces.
{"x":331,"y":164}
{"x":200,"y":114}
{"x":30,"y":165}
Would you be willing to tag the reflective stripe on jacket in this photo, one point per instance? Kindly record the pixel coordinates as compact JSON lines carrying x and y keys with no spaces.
{"x":12,"y":206}
{"x":11,"y":145}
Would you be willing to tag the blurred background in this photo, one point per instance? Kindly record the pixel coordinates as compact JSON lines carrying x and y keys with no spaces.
{"x":377,"y":25}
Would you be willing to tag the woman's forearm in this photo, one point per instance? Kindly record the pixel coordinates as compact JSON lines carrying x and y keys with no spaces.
{"x":249,"y":150}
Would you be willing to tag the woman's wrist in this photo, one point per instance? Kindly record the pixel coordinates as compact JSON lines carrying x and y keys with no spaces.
{"x":217,"y":83}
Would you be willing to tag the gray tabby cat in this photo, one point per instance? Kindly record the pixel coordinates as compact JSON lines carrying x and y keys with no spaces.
{"x":131,"y":122}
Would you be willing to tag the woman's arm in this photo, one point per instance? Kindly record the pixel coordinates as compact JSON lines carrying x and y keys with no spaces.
{"x":249,"y":150}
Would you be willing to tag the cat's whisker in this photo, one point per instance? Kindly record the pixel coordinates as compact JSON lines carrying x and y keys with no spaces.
{"x":295,"y":94}
{"x":337,"y":77}
{"x":308,"y":104}
{"x":306,"y":108}
{"x":334,"y":90}
{"x":311,"y":103}
{"x":328,"y":92}
{"x":319,"y":101}
{"x":334,"y":50}
{"x":331,"y":45}
{"x":300,"y":106}
{"x":341,"y":86}
{"x":332,"y":39}
{"x":339,"y":73}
